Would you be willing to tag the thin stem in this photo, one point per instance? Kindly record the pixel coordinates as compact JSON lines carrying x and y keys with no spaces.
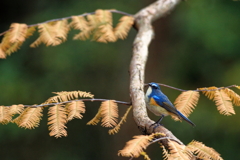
{"x":162,"y":138}
{"x":92,"y":100}
{"x":198,"y":90}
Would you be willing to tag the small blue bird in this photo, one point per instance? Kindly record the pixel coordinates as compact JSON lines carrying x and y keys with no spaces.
{"x":159,"y":104}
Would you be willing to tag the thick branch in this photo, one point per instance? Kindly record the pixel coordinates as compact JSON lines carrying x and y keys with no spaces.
{"x":143,"y":20}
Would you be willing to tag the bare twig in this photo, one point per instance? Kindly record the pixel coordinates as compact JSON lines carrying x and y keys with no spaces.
{"x":182,"y":90}
{"x":160,"y":139}
{"x":92,"y":100}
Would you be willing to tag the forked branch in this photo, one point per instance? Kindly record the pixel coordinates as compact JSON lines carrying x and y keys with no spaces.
{"x":143,"y":20}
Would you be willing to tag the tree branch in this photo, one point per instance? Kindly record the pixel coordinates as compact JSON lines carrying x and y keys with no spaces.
{"x":143,"y":20}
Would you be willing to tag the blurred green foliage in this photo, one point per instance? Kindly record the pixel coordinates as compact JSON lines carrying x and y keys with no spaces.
{"x":197,"y":45}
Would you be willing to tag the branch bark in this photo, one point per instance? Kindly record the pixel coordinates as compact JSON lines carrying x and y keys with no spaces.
{"x":143,"y":20}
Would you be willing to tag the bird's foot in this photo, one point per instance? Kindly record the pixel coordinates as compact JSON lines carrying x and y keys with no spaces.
{"x":156,"y":125}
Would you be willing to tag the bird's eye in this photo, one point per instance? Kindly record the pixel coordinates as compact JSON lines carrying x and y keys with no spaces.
{"x":155,"y":87}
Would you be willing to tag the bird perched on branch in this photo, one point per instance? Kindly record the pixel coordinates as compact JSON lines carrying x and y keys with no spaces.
{"x":159,"y":104}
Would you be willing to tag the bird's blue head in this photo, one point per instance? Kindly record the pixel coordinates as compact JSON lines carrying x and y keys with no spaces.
{"x":154,"y":85}
{"x":153,"y":89}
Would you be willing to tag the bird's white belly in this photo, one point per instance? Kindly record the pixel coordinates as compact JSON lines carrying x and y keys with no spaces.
{"x":158,"y":111}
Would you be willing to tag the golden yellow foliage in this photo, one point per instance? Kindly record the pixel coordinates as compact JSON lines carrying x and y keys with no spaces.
{"x":135,"y":147}
{"x":16,"y":109}
{"x":224,"y":105}
{"x":96,"y":118}
{"x":177,"y":151}
{"x":202,"y":151}
{"x":5,"y":117}
{"x":6,"y":113}
{"x":98,"y":27}
{"x":61,"y":29}
{"x":186,"y":102}
{"x":57,"y":120}
{"x":165,"y":152}
{"x":13,"y":39}
{"x":109,"y":113}
{"x":211,"y":93}
{"x":74,"y":110}
{"x":29,"y":118}
{"x":52,"y":34}
{"x":117,"y":127}
{"x":67,"y":96}
{"x":17,"y":32}
{"x":235,"y":98}
{"x":123,"y":27}
{"x":104,"y":32}
{"x":80,"y":23}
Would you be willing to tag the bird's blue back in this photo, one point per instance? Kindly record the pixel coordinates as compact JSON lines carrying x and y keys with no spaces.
{"x":162,"y":100}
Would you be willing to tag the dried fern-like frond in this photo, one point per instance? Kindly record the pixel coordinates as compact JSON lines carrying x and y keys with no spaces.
{"x":135,"y":147}
{"x":235,"y":98}
{"x":93,"y":22}
{"x":101,"y":26}
{"x":13,"y":39}
{"x":74,"y":110}
{"x":123,"y":27}
{"x":57,"y":120}
{"x":109,"y":113}
{"x":67,"y":96}
{"x":75,"y":94}
{"x":96,"y":118}
{"x":165,"y":153}
{"x":29,"y":118}
{"x":61,"y":29}
{"x":186,"y":102}
{"x":202,"y":151}
{"x":13,"y":48}
{"x":104,"y":32}
{"x":17,"y":32}
{"x":52,"y":34}
{"x":107,"y":34}
{"x":224,"y":105}
{"x":210,"y":94}
{"x":177,"y":151}
{"x":80,"y":23}
{"x":47,"y":35}
{"x":16,"y":109}
{"x":5,"y":117}
{"x":117,"y":127}
{"x":103,"y":16}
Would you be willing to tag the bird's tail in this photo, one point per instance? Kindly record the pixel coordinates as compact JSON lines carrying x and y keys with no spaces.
{"x":181,"y":116}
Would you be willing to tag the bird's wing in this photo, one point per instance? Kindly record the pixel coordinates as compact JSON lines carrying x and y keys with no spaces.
{"x":166,"y":104}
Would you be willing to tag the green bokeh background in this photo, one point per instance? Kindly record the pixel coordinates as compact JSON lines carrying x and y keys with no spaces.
{"x":197,"y":45}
